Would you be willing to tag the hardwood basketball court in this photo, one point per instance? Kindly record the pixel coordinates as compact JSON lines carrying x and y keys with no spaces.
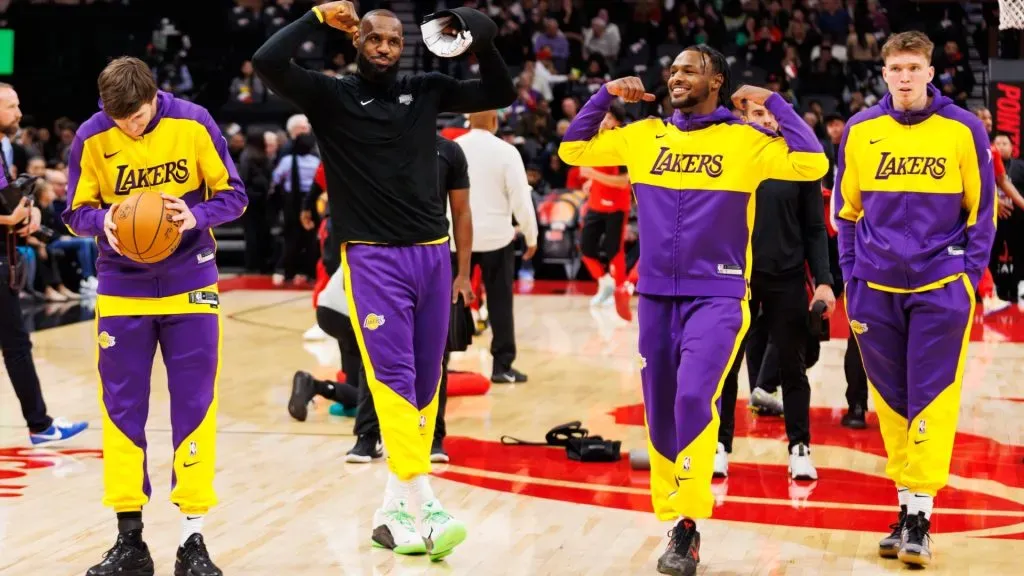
{"x":291,"y":505}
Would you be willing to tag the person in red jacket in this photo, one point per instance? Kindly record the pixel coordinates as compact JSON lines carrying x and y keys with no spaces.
{"x":604,"y":227}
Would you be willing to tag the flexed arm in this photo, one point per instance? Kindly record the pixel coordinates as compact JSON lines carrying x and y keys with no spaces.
{"x":273,"y":61}
{"x":799,"y":156}
{"x":584,"y":143}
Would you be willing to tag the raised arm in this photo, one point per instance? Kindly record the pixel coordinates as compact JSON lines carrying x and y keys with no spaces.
{"x":84,"y":213}
{"x":846,"y":206}
{"x":799,"y":155}
{"x":979,"y":199}
{"x":585,"y":144}
{"x":273,"y":63}
{"x":227,"y":200}
{"x":493,"y":90}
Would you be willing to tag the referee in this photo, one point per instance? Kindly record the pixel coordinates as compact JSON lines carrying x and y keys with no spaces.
{"x":789,"y":230}
{"x":377,"y":137}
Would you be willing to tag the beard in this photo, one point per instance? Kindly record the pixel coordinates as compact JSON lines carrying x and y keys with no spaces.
{"x":692,"y":99}
{"x":376,"y":74}
{"x":9,"y":130}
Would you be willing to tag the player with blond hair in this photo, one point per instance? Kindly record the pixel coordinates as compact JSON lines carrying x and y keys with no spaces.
{"x":915,"y":207}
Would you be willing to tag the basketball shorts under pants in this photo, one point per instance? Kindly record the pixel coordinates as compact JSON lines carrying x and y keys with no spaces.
{"x":687,"y":346}
{"x":187,"y":328}
{"x":914,"y":348}
{"x":399,"y":304}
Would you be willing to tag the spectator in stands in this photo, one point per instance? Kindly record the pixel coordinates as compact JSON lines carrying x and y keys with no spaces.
{"x":255,"y":169}
{"x":247,"y":88}
{"x":953,"y":73}
{"x":48,"y":259}
{"x":597,"y":40}
{"x":826,"y":74}
{"x":833,"y":18}
{"x":36,"y":166}
{"x":292,"y":179}
{"x":272,"y":145}
{"x":555,"y":41}
{"x":84,"y":250}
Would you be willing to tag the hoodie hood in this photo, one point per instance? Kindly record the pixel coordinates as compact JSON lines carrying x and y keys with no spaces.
{"x":911,"y":117}
{"x":689,"y":122}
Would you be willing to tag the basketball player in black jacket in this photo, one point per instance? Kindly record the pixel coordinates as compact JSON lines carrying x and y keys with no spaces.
{"x":789,"y":235}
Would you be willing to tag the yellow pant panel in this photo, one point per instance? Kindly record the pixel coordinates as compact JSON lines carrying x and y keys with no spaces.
{"x":894,"y":436}
{"x":124,"y":469}
{"x":692,"y":497}
{"x":406,"y":432}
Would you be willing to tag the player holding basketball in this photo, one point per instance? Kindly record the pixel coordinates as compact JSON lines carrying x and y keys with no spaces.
{"x":144,"y":139}
{"x":377,"y":135}
{"x":916,"y":214}
{"x":694,"y":176}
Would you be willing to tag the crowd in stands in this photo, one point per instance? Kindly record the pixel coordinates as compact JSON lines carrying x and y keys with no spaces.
{"x":822,"y":55}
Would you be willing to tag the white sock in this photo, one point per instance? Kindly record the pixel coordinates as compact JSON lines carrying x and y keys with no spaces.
{"x":421,"y":488}
{"x":903,"y":494}
{"x":395,"y":490}
{"x":920,"y":503}
{"x":190,"y":525}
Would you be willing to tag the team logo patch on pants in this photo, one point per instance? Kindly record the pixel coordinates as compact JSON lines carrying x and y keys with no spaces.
{"x":373,"y":321}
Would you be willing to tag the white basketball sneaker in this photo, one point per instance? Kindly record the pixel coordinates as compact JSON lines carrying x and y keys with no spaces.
{"x":721,"y":462}
{"x":605,"y":291}
{"x":442,"y":531}
{"x":395,"y":529}
{"x":800,"y":466}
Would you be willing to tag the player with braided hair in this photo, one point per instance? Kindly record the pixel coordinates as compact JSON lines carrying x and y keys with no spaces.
{"x":694,"y":176}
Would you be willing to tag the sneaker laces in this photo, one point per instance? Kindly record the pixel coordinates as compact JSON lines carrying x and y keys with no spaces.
{"x":681,"y":536}
{"x":917,"y":531}
{"x":403,"y":517}
{"x":897,"y":526}
{"x":119,"y":550}
{"x":436,"y":516}
{"x":195,"y":551}
{"x":61,"y":422}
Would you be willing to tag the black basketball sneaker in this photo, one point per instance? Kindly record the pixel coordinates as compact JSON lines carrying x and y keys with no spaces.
{"x":915,"y":549}
{"x":889,"y":547}
{"x":194,"y":560}
{"x":683,"y":552}
{"x":128,"y":557}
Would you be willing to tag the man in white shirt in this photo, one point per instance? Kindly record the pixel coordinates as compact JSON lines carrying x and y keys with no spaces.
{"x":500,"y":192}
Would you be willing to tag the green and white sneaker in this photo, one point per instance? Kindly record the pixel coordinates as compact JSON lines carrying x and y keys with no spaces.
{"x":395,"y":529}
{"x":443,"y":532}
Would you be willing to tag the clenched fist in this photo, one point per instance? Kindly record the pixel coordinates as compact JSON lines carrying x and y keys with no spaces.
{"x":752,"y":93}
{"x":630,"y":89}
{"x":341,"y":15}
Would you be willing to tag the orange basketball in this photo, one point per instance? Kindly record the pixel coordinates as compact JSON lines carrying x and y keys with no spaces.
{"x":145,"y":231}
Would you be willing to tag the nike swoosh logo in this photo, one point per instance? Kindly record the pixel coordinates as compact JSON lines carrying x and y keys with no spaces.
{"x":190,"y":464}
{"x":367,"y":102}
{"x":54,"y":436}
{"x":111,"y":155}
{"x":920,"y":441}
{"x":875,"y":141}
{"x":660,"y":136}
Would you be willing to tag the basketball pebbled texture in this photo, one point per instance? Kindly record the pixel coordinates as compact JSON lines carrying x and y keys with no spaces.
{"x":145,"y":231}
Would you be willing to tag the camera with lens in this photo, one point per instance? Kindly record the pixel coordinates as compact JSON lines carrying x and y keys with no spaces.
{"x":24,"y":186}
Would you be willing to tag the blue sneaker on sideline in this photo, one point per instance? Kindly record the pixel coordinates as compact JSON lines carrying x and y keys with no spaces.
{"x":61,"y":429}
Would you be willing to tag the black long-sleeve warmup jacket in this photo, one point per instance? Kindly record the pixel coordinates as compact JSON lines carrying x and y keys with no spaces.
{"x":378,"y":142}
